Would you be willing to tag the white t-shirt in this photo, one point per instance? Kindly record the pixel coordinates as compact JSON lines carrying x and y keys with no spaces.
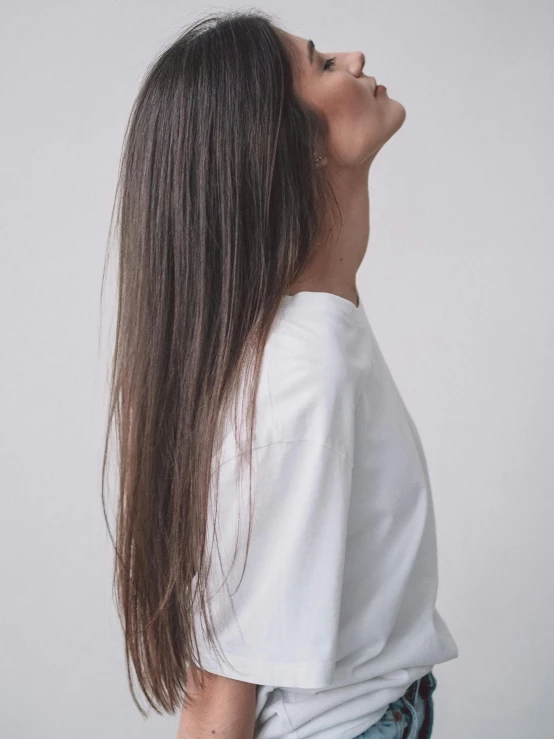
{"x":335,"y":615}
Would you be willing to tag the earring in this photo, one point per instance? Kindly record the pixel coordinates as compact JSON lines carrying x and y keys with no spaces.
{"x":320,"y":161}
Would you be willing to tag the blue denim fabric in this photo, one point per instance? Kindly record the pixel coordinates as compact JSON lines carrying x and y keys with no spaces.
{"x":409,"y":717}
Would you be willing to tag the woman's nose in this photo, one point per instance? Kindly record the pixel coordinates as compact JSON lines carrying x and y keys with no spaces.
{"x":357,"y":63}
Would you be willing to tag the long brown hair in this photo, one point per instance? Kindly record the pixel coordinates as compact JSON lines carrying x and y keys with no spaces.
{"x":218,"y":207}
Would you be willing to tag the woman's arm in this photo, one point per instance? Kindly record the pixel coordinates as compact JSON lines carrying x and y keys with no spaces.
{"x":224,"y":710}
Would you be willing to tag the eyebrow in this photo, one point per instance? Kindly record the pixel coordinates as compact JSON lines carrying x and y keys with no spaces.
{"x":311,"y":47}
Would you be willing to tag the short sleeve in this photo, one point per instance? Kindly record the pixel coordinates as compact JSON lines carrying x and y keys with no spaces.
{"x":282,"y":626}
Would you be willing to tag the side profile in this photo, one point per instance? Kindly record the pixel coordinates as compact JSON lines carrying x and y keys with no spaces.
{"x":275,"y":543}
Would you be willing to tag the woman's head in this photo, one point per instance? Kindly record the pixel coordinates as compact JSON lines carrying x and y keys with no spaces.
{"x":220,"y":206}
{"x":359,"y":118}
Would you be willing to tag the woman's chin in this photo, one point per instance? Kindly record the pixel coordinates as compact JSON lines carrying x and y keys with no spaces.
{"x":395,"y":117}
{"x":399,"y":114}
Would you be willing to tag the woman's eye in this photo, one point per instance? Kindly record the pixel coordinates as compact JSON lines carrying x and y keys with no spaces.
{"x":329,"y":63}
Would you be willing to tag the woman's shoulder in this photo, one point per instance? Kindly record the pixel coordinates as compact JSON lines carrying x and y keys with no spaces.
{"x":310,"y":387}
{"x":309,"y":355}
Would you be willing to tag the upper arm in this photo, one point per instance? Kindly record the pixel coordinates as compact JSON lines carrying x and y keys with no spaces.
{"x":224,"y":707}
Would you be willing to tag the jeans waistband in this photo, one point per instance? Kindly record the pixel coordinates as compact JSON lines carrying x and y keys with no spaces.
{"x":423,"y":686}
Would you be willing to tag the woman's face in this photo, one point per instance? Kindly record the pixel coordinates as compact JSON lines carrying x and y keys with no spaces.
{"x":359,"y":120}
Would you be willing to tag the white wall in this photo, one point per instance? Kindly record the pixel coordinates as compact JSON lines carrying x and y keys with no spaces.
{"x":458,"y":281}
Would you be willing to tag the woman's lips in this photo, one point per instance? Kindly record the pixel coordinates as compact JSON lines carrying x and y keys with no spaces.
{"x":378,"y":89}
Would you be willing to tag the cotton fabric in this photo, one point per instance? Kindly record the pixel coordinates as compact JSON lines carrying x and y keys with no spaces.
{"x":335,"y":615}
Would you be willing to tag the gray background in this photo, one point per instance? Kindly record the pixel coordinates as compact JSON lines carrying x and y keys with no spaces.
{"x":457,"y":282}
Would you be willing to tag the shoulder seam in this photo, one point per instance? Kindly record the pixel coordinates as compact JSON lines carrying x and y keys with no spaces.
{"x":293,"y":441}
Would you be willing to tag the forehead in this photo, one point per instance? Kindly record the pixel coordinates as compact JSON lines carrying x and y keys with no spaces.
{"x":300,"y":48}
{"x":299,"y":41}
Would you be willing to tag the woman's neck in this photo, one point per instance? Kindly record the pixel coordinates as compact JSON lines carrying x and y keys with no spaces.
{"x":336,"y":264}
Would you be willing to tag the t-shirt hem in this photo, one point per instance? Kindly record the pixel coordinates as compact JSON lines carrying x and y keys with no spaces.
{"x":359,"y":728}
{"x":307,"y":675}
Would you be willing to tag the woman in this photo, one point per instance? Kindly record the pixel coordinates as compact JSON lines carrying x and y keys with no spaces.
{"x":282,"y":584}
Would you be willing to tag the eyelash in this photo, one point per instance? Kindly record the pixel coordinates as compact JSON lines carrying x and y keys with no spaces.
{"x":329,"y":62}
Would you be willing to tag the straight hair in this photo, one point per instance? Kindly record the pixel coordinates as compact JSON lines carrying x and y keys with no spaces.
{"x":218,"y":209}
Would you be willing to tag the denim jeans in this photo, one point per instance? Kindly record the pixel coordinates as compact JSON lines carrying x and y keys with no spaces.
{"x":408,"y":717}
